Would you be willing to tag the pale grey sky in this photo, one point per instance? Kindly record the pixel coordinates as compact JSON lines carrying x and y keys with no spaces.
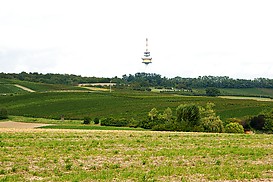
{"x":187,"y":38}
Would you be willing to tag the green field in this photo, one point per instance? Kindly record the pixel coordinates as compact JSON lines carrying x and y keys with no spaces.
{"x":69,"y":155}
{"x":246,"y":92}
{"x":263,"y":92}
{"x":10,"y":89}
{"x":38,"y":87}
{"x":118,"y":104}
{"x":254,"y":92}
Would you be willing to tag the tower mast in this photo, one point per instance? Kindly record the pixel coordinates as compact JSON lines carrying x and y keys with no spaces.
{"x":147,"y":59}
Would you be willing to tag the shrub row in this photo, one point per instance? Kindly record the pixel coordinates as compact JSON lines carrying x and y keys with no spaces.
{"x":114,"y":122}
{"x":3,"y":113}
{"x":87,"y":120}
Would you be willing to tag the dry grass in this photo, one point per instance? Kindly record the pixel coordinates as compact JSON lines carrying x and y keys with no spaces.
{"x":81,"y":155}
{"x":247,"y":98}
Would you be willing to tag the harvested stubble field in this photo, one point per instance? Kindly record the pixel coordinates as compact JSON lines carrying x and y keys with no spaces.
{"x":81,"y":155}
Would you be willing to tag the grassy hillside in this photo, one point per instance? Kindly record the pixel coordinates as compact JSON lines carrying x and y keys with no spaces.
{"x":10,"y":89}
{"x":62,"y":155}
{"x":248,"y":91}
{"x":118,"y":104}
{"x":254,"y":92}
{"x":8,"y":86}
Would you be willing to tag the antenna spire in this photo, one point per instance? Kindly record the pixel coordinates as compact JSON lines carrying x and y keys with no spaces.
{"x":146,"y":44}
{"x":147,"y":59}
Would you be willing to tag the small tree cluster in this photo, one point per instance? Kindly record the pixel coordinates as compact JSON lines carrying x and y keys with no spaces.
{"x":158,"y":121}
{"x":262,"y":122}
{"x":189,"y":117}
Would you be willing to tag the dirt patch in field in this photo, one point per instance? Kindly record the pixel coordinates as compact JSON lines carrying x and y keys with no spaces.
{"x":21,"y":125}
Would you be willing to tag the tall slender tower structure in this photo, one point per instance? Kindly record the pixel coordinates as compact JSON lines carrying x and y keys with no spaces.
{"x":147,"y":59}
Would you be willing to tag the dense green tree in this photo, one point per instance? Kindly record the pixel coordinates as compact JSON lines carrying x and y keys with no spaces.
{"x":96,"y":121}
{"x":258,"y":122}
{"x":268,"y":125}
{"x":86,"y":120}
{"x":188,"y":116}
{"x":209,"y":121}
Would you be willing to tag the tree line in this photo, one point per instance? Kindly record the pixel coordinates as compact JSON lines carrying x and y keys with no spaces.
{"x":195,"y":118}
{"x":50,"y":78}
{"x":152,"y":79}
{"x":142,"y":80}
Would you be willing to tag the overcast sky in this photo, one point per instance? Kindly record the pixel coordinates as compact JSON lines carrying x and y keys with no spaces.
{"x":106,"y":38}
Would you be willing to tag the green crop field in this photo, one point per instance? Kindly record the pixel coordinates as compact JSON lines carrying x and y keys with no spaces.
{"x":118,"y":104}
{"x":10,"y":89}
{"x":69,"y":155}
{"x":42,"y":87}
{"x":248,"y":91}
{"x":258,"y":92}
{"x":38,"y":87}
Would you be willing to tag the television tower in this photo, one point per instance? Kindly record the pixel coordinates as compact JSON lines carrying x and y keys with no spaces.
{"x":147,"y":59}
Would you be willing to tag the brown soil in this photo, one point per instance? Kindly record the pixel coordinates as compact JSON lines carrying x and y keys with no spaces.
{"x":20,"y":125}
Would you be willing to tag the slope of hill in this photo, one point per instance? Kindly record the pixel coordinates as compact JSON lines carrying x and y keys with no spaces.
{"x":10,"y":89}
{"x":257,"y":92}
{"x":8,"y":86}
{"x":118,"y":104}
{"x":53,"y":101}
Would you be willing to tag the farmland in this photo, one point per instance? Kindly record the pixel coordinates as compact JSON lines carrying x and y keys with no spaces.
{"x":10,"y":89}
{"x":103,"y":153}
{"x":248,"y":91}
{"x":119,"y":104}
{"x":81,"y":155}
{"x":7,"y":86}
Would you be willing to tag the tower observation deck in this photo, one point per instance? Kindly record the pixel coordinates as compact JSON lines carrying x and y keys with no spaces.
{"x":147,"y":59}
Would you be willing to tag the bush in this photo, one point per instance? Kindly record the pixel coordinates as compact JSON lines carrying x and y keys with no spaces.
{"x":245,"y":122}
{"x":268,"y":125}
{"x":147,"y":124}
{"x":3,"y":113}
{"x":167,"y":126}
{"x":86,"y":120}
{"x":161,"y":127}
{"x":96,"y":121}
{"x":234,"y":128}
{"x":258,"y":122}
{"x":114,"y":122}
{"x":212,"y":124}
{"x":133,"y":123}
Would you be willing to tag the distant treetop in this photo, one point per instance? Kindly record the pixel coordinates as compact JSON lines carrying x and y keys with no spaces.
{"x":144,"y":80}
